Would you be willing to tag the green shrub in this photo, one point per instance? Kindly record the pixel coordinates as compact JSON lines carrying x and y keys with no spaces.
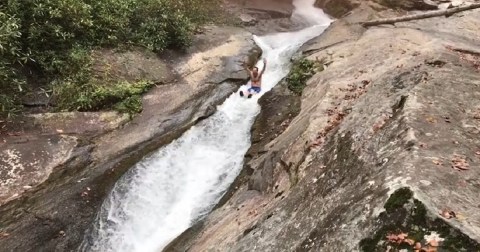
{"x":132,"y":105}
{"x":54,"y":38}
{"x":97,"y":96}
{"x":302,"y":70}
{"x":112,"y":21}
{"x":10,"y":83}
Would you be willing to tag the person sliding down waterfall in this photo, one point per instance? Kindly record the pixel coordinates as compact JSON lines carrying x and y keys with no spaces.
{"x":255,"y":79}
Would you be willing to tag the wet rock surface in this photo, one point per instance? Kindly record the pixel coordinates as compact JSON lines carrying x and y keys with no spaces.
{"x":402,"y":113}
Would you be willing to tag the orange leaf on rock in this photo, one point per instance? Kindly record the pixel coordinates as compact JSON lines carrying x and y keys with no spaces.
{"x":460,"y":163}
{"x":431,"y":120}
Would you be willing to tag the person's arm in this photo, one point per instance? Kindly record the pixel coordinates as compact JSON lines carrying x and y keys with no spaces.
{"x":245,"y":66}
{"x":264,"y":66}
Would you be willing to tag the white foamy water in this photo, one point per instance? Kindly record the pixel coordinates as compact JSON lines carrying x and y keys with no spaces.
{"x":166,"y":192}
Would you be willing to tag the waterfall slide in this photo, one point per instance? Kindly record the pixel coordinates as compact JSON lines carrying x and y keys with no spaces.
{"x":167,"y":191}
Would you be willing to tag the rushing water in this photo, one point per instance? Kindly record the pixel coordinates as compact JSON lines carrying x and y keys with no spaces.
{"x":163,"y":194}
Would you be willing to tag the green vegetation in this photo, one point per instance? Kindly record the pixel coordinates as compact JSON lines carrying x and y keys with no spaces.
{"x":49,"y":43}
{"x":399,"y":198}
{"x":302,"y":70}
{"x":92,"y":96}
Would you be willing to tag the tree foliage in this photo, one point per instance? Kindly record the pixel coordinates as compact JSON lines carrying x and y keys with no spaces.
{"x":53,"y":38}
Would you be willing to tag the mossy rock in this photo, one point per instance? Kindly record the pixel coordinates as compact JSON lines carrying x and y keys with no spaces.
{"x":408,"y":215}
{"x":399,"y":198}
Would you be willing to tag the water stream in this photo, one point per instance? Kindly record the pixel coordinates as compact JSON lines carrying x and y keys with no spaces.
{"x":167,"y":191}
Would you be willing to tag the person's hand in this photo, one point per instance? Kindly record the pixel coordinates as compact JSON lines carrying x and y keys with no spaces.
{"x":264,"y":61}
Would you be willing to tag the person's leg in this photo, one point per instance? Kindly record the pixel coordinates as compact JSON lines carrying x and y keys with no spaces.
{"x":251,"y":91}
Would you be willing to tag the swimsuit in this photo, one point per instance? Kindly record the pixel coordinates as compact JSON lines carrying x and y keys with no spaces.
{"x":254,"y":89}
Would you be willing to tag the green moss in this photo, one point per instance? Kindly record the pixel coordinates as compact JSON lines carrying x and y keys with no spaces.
{"x":399,"y":198}
{"x":419,"y":213}
{"x":368,"y":244}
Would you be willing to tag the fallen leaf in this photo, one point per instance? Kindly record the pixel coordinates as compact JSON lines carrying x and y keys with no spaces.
{"x":431,"y":120}
{"x":460,"y":163}
{"x":59,"y":131}
{"x":460,"y":217}
{"x":4,"y":234}
{"x":477,"y":153}
{"x":437,"y":162}
{"x":446,"y":214}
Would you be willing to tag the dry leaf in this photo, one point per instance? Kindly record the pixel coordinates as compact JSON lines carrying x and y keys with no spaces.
{"x":437,"y":162}
{"x":460,"y":163}
{"x":431,"y":120}
{"x":460,"y":217}
{"x":4,"y":234}
{"x":447,"y":214}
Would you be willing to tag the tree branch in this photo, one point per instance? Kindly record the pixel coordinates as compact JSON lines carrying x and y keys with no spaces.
{"x":424,"y":15}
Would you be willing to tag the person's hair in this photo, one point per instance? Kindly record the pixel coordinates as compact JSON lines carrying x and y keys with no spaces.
{"x":255,"y":68}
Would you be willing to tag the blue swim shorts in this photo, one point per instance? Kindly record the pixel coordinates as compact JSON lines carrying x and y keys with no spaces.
{"x":254,"y":89}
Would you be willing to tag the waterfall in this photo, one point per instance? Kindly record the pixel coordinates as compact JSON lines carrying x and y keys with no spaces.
{"x":163,"y":194}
